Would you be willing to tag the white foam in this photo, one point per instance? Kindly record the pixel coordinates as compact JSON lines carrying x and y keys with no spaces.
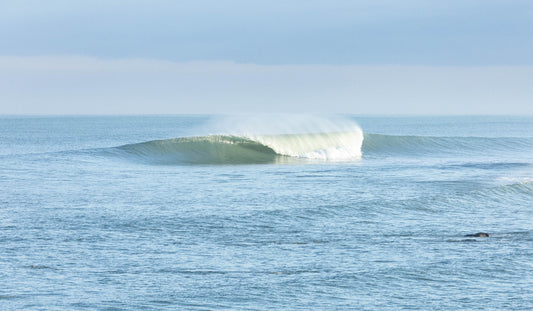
{"x":323,"y":146}
{"x":302,"y":135}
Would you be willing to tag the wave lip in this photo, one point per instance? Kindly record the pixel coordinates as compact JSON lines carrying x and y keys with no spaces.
{"x":249,"y":149}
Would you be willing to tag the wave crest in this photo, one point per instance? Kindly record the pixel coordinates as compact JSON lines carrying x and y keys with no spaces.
{"x":249,"y":149}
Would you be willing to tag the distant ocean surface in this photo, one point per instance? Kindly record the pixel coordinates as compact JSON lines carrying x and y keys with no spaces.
{"x":266,"y":213}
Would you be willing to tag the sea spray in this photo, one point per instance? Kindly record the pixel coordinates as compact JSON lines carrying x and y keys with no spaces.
{"x":306,"y":136}
{"x":277,"y":124}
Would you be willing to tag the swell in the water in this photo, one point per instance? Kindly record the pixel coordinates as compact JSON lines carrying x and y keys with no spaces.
{"x":326,"y":146}
{"x":249,"y":149}
{"x":392,"y":145}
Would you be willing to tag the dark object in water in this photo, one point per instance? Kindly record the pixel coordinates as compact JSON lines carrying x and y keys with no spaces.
{"x":478,"y":235}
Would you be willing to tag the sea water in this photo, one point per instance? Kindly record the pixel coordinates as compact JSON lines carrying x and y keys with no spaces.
{"x":266,"y":213}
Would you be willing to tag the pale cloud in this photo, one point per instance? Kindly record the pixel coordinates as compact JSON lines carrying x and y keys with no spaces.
{"x":340,"y":32}
{"x":84,"y":85}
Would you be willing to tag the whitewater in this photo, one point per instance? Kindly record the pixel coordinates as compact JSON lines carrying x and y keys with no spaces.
{"x":250,"y":212}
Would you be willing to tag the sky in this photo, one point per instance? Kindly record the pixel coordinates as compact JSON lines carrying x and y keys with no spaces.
{"x":359,"y":57}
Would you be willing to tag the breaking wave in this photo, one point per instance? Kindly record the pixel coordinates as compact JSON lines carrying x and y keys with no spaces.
{"x":327,"y":146}
{"x":290,"y":139}
{"x":250,"y":149}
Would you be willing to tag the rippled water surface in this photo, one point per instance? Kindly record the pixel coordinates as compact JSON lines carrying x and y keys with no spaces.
{"x":118,"y":213}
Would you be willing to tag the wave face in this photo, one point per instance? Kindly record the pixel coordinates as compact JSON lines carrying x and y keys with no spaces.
{"x":327,"y":146}
{"x":250,"y":149}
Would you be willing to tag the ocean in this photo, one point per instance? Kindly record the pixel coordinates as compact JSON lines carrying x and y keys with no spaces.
{"x":277,"y":212}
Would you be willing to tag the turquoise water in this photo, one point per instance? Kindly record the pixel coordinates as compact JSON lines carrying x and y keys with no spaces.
{"x":256,"y":213}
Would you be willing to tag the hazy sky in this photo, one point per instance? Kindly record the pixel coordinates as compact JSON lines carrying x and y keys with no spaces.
{"x":370,"y":56}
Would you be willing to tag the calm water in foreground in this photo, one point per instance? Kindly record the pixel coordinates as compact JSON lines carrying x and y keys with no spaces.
{"x":218,"y":213}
